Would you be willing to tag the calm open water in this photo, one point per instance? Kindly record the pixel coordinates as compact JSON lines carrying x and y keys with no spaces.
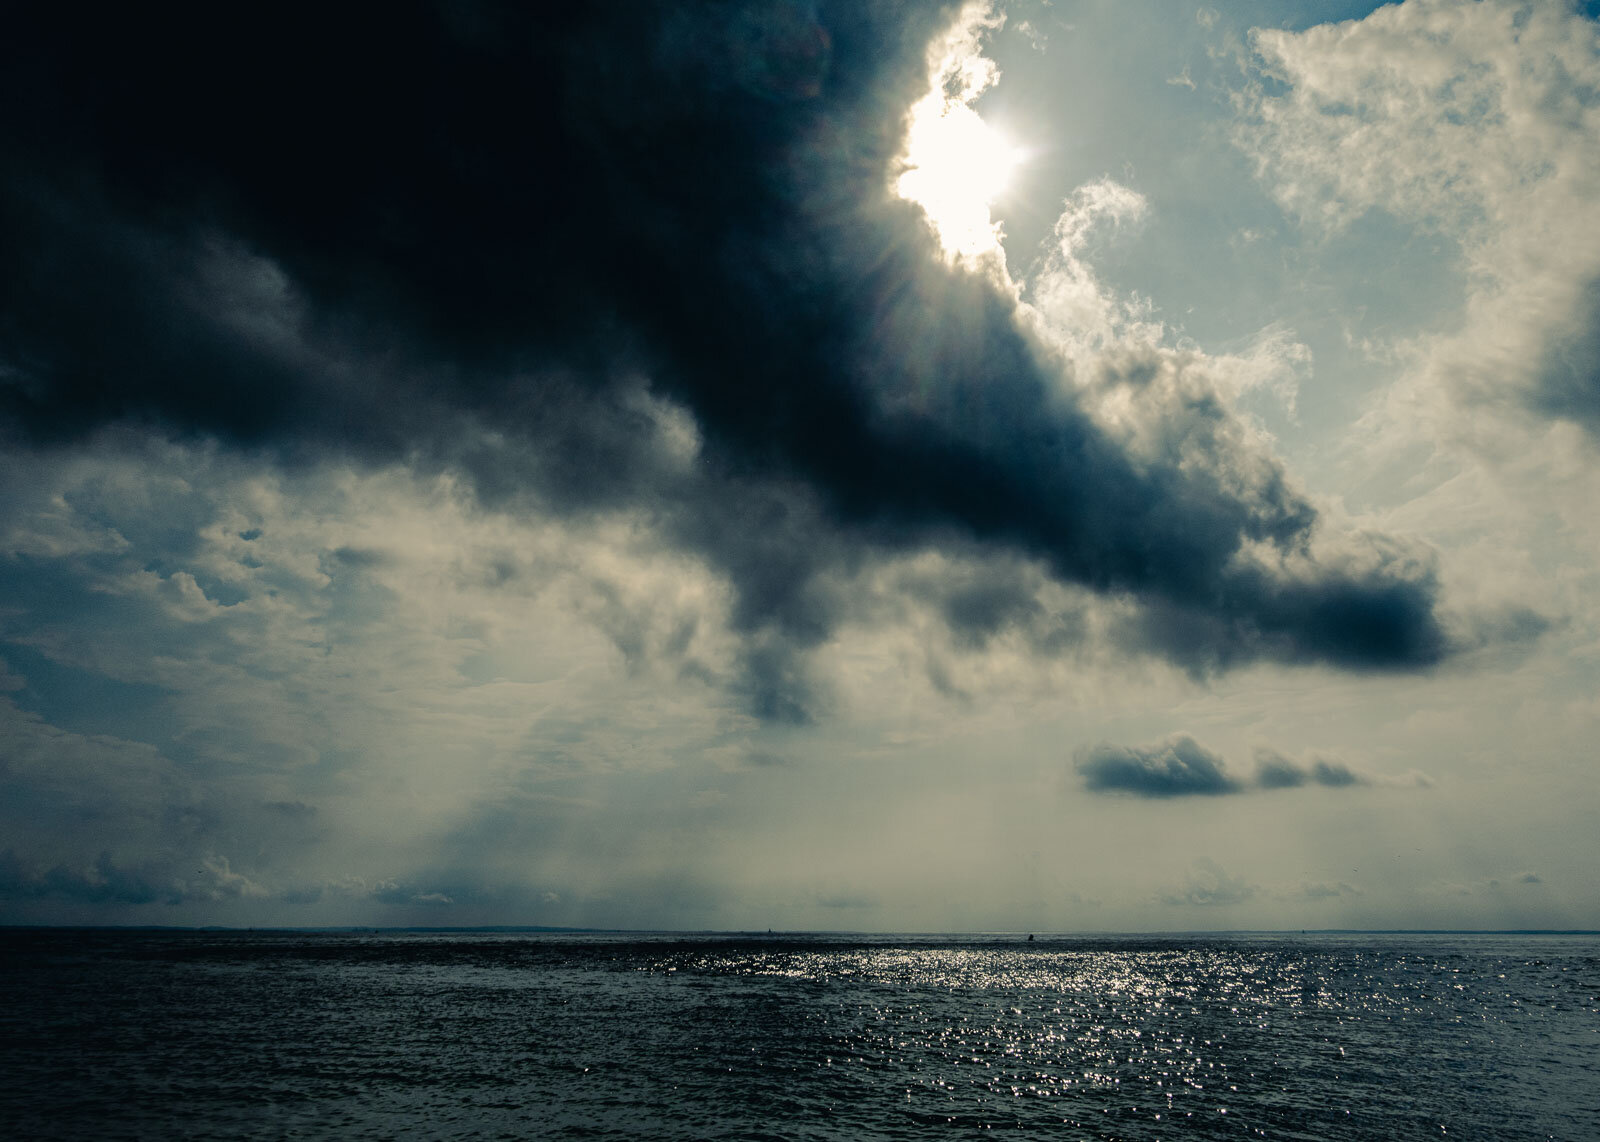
{"x":164,"y":1034}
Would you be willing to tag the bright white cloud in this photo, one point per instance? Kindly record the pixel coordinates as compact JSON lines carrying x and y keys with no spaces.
{"x":955,"y":164}
{"x":1480,"y":121}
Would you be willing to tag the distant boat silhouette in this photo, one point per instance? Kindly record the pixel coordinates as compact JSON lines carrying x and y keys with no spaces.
{"x":1030,"y":937}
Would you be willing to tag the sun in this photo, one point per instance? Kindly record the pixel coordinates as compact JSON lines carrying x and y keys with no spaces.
{"x":955,"y":165}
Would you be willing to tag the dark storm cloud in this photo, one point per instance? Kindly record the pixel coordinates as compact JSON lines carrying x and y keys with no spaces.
{"x":1275,"y":771}
{"x":488,"y":236}
{"x":1182,"y":767}
{"x":109,"y":881}
{"x":1179,"y":767}
{"x":104,"y":882}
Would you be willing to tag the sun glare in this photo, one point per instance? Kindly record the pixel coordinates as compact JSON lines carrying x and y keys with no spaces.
{"x":955,"y":165}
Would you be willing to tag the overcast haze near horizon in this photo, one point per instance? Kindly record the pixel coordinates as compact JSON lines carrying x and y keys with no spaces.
{"x":467,"y":466}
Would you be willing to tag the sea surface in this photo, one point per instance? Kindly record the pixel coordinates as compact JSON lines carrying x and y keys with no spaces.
{"x":185,"y":1034}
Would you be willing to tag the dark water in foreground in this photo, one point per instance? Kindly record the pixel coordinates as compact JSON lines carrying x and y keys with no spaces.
{"x":188,"y":1034}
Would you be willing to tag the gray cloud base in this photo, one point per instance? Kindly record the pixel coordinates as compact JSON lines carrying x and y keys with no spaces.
{"x":1182,"y":767}
{"x":1179,"y":767}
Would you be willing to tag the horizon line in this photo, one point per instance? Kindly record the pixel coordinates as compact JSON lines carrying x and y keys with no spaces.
{"x":791,"y":932}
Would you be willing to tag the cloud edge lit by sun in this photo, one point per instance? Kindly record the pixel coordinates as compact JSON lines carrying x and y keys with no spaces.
{"x":955,"y":164}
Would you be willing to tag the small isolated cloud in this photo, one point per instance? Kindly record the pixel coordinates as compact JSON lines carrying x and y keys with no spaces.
{"x":1492,"y":886}
{"x":1276,"y":771}
{"x":215,"y":879}
{"x":1411,"y":779}
{"x":1321,"y":891}
{"x":1038,"y":39}
{"x":1209,"y":885}
{"x":1182,"y":767}
{"x":1177,"y":767}
{"x":394,"y":892}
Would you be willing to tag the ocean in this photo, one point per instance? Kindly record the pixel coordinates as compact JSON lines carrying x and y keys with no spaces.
{"x":110,"y":1034}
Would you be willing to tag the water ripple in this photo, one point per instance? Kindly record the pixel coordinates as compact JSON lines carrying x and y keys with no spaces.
{"x":138,"y":1035}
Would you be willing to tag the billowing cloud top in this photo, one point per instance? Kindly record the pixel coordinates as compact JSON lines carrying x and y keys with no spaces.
{"x":624,"y":254}
{"x":1174,"y":768}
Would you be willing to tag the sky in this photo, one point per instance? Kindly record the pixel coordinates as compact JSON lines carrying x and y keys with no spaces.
{"x":1042,"y":465}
